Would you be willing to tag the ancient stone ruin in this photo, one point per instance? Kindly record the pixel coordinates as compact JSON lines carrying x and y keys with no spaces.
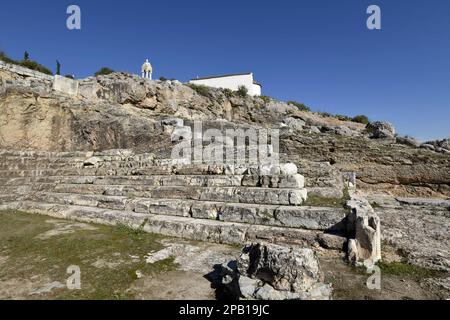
{"x":100,"y":151}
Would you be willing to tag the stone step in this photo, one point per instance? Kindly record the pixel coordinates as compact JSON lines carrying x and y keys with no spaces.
{"x":33,"y":166}
{"x":312,"y":218}
{"x":41,"y":154}
{"x":162,"y":169}
{"x":182,"y":227}
{"x":10,"y":197}
{"x":16,"y":189}
{"x":43,"y":160}
{"x":294,"y":197}
{"x":291,"y":181}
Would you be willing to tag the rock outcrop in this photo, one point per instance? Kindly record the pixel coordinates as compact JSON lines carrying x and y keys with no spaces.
{"x":124,"y":111}
{"x":273,"y":272}
{"x":381,"y":130}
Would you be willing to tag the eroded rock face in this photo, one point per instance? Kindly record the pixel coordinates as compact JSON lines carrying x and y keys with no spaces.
{"x":122,"y":111}
{"x":274,"y":272}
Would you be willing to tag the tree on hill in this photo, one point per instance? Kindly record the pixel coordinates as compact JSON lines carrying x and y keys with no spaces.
{"x":104,"y":71}
{"x":26,"y":56}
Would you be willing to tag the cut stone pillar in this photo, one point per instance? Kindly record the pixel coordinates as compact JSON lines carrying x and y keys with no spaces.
{"x":365,"y":248}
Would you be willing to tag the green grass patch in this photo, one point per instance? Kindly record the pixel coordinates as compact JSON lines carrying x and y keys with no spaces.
{"x":318,"y":201}
{"x":122,"y":247}
{"x":405,"y":269}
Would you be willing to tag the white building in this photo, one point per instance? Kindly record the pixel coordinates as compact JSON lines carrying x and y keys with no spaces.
{"x":232,"y":82}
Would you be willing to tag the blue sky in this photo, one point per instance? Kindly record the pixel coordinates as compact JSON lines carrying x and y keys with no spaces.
{"x":318,"y":52}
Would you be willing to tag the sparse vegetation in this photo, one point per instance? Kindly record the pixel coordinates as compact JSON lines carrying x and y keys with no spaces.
{"x":300,"y":106}
{"x":27,"y":63}
{"x":342,"y":117}
{"x":200,"y":89}
{"x":33,"y":65}
{"x":162,"y":79}
{"x":358,"y":119}
{"x":242,"y":91}
{"x":228,"y":93}
{"x":318,"y":201}
{"x":405,"y":269}
{"x":102,"y":254}
{"x":104,"y":71}
{"x":325,"y":114}
{"x":266,"y":99}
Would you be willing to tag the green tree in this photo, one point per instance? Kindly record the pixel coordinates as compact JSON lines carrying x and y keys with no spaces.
{"x":26,"y":56}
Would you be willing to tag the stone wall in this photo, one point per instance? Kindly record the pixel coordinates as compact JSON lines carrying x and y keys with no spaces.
{"x":25,"y":71}
{"x":66,"y":85}
{"x":35,"y":79}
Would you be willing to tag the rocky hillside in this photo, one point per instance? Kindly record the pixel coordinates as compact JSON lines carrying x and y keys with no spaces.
{"x":122,"y":111}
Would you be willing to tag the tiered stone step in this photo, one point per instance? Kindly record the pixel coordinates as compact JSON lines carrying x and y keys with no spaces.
{"x":312,"y":218}
{"x":218,"y":201}
{"x":195,"y":229}
{"x":290,"y":181}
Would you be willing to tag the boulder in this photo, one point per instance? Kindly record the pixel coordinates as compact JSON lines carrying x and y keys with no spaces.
{"x":314,"y":129}
{"x":381,"y":130}
{"x":294,"y":123}
{"x":428,"y":147}
{"x":408,"y":141}
{"x":331,"y":241}
{"x":274,"y":272}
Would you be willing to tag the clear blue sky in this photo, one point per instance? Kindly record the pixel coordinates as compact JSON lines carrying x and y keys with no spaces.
{"x":314,"y":51}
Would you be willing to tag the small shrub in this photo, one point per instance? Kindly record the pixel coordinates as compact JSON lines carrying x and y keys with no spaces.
{"x":325,"y":114}
{"x":200,"y":89}
{"x":70,"y":76}
{"x":162,"y":79}
{"x":300,"y":106}
{"x":33,"y":65}
{"x":5,"y":58}
{"x":342,"y":117}
{"x":361,"y":119}
{"x":104,"y":71}
{"x":242,"y":91}
{"x":266,"y":99}
{"x":228,"y":93}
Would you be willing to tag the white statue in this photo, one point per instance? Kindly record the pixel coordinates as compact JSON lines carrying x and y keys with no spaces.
{"x":147,"y":70}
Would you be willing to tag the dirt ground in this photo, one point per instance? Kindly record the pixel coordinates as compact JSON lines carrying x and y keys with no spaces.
{"x":122,"y":263}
